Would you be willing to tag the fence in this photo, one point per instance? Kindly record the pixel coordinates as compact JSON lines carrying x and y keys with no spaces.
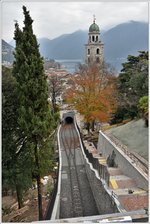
{"x":102,"y":169}
{"x":50,"y":207}
{"x":48,"y":213}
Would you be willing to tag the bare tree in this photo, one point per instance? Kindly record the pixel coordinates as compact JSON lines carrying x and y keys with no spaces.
{"x":55,"y":89}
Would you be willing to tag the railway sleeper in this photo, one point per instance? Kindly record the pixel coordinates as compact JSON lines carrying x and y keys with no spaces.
{"x":76,"y":194}
{"x":78,"y":211}
{"x":77,"y":200}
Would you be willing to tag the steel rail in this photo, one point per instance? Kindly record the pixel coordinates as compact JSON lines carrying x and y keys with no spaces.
{"x":69,"y":148}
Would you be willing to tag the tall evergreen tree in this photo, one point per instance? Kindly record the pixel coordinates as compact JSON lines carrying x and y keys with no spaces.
{"x":15,"y":176}
{"x":34,"y":114}
{"x":132,"y":85}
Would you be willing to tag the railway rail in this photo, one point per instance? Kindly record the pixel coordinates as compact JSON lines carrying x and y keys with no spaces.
{"x":81,"y":193}
{"x":69,"y":141}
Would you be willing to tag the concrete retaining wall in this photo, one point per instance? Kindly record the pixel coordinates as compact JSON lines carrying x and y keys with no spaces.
{"x":106,"y":146}
{"x":105,"y":202}
{"x":56,"y":209}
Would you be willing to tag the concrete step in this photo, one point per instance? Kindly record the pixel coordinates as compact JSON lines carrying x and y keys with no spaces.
{"x":121,"y":181}
{"x":130,"y":191}
{"x":114,"y":171}
{"x":102,"y":161}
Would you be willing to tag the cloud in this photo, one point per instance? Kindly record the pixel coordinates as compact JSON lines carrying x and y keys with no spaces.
{"x":52,"y":19}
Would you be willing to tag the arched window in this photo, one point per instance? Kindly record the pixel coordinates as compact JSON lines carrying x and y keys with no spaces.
{"x":93,"y":38}
{"x":97,"y":51}
{"x":88,"y":51}
{"x":90,"y":39}
{"x":96,"y":38}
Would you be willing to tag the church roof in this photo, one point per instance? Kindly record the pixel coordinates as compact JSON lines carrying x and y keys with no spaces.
{"x":94,"y":28}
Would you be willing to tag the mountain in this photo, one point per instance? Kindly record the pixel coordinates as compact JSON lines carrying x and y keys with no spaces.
{"x":67,"y":46}
{"x":123,"y":40}
{"x":119,"y":42}
{"x":7,"y":52}
{"x":12,"y":43}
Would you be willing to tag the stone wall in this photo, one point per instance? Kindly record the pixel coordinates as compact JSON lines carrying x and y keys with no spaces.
{"x":104,"y":202}
{"x":106,"y":146}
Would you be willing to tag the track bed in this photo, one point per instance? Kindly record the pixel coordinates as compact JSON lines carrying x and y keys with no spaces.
{"x":76,"y":196}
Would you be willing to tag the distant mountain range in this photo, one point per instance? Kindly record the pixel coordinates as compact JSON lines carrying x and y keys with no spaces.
{"x":119,"y":42}
{"x":7,"y":52}
{"x":123,"y":40}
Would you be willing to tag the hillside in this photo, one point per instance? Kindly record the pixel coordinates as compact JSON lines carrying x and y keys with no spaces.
{"x":119,"y":42}
{"x":7,"y":52}
{"x":68,"y":46}
{"x":123,"y":40}
{"x":134,"y":135}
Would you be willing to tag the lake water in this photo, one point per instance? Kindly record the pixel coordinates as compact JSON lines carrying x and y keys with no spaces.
{"x":70,"y":65}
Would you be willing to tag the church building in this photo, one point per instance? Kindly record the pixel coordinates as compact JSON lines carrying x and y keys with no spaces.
{"x":94,"y":47}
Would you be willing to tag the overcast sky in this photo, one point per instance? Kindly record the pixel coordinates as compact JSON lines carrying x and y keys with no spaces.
{"x":52,"y":19}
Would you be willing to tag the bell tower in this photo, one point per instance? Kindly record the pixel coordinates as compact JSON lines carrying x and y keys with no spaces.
{"x":94,"y":47}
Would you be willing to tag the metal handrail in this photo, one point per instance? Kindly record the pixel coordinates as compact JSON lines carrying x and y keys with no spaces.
{"x":102,"y":169}
{"x":48,"y":213}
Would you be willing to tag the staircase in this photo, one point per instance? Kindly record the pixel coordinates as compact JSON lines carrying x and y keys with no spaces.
{"x":123,"y":188}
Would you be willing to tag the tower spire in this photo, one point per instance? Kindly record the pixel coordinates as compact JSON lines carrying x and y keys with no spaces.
{"x":94,"y":47}
{"x":94,"y":18}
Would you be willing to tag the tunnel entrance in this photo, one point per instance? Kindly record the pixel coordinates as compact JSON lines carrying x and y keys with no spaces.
{"x":69,"y":120}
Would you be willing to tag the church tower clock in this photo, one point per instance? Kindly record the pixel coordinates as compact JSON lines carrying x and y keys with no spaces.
{"x":94,"y":47}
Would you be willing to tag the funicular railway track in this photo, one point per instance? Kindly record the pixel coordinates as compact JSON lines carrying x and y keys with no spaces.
{"x":70,"y":144}
{"x":77,"y":198}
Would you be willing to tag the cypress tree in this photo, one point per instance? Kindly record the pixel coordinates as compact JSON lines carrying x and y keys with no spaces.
{"x":15,"y":176}
{"x":34,"y":114}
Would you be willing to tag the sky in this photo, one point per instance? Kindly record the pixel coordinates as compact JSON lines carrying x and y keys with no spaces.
{"x":52,"y":19}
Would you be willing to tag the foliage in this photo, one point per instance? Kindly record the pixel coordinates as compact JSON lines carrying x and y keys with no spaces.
{"x":49,"y":187}
{"x":92,"y":93}
{"x":132,"y":84}
{"x":118,"y":116}
{"x":143,"y":105}
{"x":35,"y":120}
{"x":56,"y":116}
{"x":14,"y":173}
